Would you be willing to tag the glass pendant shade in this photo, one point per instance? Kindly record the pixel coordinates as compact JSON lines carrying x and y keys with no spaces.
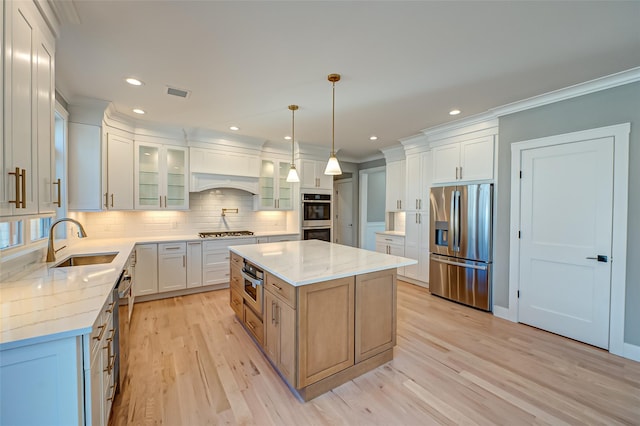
{"x":293,"y":174}
{"x":333,"y":167}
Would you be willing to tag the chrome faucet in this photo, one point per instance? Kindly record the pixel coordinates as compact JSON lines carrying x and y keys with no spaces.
{"x":51,"y":253}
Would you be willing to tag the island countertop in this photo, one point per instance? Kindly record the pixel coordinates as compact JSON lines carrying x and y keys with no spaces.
{"x":311,"y":261}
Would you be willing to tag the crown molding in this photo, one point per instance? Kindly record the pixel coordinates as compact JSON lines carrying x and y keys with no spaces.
{"x":624,"y":77}
{"x":393,"y":153}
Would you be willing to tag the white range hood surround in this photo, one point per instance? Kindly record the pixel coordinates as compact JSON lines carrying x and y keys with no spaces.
{"x":206,"y":181}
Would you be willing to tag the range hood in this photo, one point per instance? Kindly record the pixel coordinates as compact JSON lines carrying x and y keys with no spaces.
{"x":205,"y":181}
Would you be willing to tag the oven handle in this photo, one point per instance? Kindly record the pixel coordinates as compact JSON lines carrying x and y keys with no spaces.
{"x":254,"y":281}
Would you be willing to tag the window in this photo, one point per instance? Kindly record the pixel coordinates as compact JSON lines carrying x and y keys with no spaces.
{"x":40,"y":228}
{"x":11,"y":234}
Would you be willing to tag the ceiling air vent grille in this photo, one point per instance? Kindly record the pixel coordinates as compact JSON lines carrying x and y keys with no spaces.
{"x":178,"y":92}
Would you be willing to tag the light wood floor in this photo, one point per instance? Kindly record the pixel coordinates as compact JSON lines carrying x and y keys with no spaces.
{"x":193,"y":364}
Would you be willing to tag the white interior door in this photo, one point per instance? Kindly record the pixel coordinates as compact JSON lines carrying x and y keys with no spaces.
{"x":343,"y":197}
{"x":566,"y":223}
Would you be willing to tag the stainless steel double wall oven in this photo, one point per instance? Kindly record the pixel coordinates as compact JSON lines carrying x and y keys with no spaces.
{"x":316,"y":216}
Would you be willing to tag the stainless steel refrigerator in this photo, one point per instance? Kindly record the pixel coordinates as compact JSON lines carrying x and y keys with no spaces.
{"x":461,"y":244}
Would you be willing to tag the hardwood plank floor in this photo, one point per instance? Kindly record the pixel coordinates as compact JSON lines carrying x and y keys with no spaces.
{"x":192,"y":363}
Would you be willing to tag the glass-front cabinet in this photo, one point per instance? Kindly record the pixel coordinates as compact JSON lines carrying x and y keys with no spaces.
{"x":161,"y":177}
{"x":275,"y":192}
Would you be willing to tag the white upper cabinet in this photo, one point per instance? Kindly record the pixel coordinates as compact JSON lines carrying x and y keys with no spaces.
{"x":418,"y":181}
{"x":28,"y":90}
{"x":312,"y":175}
{"x":275,"y":192}
{"x":395,"y":182}
{"x":161,"y":177}
{"x":100,"y":169}
{"x":464,"y":161}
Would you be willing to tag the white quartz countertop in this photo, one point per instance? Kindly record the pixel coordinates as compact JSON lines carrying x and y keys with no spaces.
{"x":46,"y":303}
{"x":311,"y":261}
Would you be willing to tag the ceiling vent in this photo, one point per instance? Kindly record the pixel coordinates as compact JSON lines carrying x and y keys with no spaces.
{"x":178,"y":92}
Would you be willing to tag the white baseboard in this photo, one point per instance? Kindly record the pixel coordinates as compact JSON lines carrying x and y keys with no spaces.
{"x":414,"y":282}
{"x":502,"y":312}
{"x":631,"y":352}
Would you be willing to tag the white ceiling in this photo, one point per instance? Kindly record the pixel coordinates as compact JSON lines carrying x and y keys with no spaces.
{"x":404,"y":65}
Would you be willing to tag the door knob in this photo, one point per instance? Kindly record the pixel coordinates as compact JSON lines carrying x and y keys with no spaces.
{"x":599,"y":258}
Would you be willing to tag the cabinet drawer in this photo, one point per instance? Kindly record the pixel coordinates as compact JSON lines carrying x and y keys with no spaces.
{"x":236,"y":260}
{"x":254,"y":324}
{"x":172,"y":248}
{"x":390,"y":239}
{"x":235,"y":301}
{"x":215,"y":274}
{"x":217,"y":256}
{"x":284,"y":290}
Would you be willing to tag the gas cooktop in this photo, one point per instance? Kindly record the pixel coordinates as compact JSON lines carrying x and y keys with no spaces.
{"x":217,"y":234}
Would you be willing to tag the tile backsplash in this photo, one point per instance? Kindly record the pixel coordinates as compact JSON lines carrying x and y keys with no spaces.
{"x":204,"y":214}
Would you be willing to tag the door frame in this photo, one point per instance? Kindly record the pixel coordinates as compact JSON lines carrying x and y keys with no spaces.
{"x":336,"y":223}
{"x":620,"y":134}
{"x":363,"y":196}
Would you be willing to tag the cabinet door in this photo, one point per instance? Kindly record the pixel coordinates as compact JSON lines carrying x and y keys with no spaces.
{"x":446,"y":160}
{"x":147,"y":178}
{"x":46,"y":144}
{"x":85,"y":171}
{"x":325,"y":329}
{"x":177,"y":190}
{"x":476,"y":159}
{"x":308,"y":177}
{"x":172,"y":267}
{"x":375,"y":317}
{"x":324,"y":181}
{"x":395,"y":182}
{"x":287,"y":356}
{"x":194,"y":264}
{"x":119,"y":173}
{"x":267,"y":185}
{"x":271,"y":329}
{"x":412,"y":243}
{"x":146,"y":270}
{"x":285,"y":189}
{"x":414,"y":181}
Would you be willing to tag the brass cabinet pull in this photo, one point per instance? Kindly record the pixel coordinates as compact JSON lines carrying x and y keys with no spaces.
{"x":16,"y":173}
{"x":113,"y":334}
{"x":23,"y":177}
{"x":273,"y":312}
{"x":102,"y":329}
{"x":251,"y":326}
{"x":460,"y":172}
{"x":110,"y":308}
{"x":165,"y":201}
{"x":112,"y":200}
{"x":279,"y":288}
{"x":106,"y":199}
{"x":59,"y":202}
{"x":160,"y":196}
{"x":184,"y":261}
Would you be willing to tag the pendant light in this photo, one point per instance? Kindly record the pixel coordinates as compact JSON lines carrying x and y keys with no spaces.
{"x":333,"y":167}
{"x":293,"y":173}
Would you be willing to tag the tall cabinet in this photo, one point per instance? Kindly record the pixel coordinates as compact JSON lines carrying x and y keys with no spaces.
{"x":275,"y":192}
{"x":28,"y":106}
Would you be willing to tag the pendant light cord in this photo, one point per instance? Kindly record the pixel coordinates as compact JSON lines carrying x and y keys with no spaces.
{"x":333,"y":122}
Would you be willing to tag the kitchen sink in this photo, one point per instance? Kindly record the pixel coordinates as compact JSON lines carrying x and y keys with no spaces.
{"x":87,"y":259}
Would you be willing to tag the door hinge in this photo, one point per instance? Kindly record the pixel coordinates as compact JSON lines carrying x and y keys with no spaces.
{"x":519,"y":234}
{"x":520,"y":174}
{"x":518,"y":294}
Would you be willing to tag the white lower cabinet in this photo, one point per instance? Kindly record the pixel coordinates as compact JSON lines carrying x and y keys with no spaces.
{"x":215,"y":259}
{"x":146,"y":272}
{"x":172,"y":267}
{"x":391,"y":244}
{"x":417,"y":245}
{"x":194,"y":264}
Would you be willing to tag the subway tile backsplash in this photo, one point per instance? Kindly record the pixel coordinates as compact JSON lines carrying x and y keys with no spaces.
{"x":204,"y":214}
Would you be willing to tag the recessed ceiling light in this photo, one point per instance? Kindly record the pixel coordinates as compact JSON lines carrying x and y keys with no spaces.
{"x":288,"y":138}
{"x":138,"y":111}
{"x":373,"y":138}
{"x":454,"y":112}
{"x":134,"y":81}
{"x":234,"y":128}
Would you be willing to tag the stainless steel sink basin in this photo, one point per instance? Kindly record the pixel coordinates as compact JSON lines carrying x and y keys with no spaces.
{"x":87,"y":259}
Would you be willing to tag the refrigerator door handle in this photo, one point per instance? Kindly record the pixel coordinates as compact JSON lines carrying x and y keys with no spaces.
{"x":456,"y":221}
{"x":464,"y":265}
{"x":452,"y":222}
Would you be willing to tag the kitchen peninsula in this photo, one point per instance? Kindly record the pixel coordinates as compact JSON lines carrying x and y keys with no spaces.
{"x":322,"y":313}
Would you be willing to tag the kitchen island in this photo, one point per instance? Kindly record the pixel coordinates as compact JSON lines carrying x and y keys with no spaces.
{"x":322,"y":313}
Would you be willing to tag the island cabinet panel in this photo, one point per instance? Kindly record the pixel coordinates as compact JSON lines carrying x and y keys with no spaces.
{"x":282,"y":289}
{"x":280,"y":335}
{"x":236,"y":303}
{"x":254,"y":324}
{"x":326,"y":329}
{"x":375,"y":329}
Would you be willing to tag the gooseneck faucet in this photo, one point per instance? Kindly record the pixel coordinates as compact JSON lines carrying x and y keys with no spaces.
{"x":51,"y":253}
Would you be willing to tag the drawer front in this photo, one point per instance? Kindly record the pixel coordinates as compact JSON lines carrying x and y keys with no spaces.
{"x":215,"y":274}
{"x":282,"y":289}
{"x":236,"y":279}
{"x":236,"y":303}
{"x":237,"y":260}
{"x":254,"y":324}
{"x":390,"y":239}
{"x":214,"y":257}
{"x":172,"y":248}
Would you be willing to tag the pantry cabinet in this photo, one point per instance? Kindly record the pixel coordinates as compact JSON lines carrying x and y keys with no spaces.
{"x":312,"y":175}
{"x":464,"y":161}
{"x":275,"y":192}
{"x":395,"y":186}
{"x":161,"y":177}
{"x":28,"y":108}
